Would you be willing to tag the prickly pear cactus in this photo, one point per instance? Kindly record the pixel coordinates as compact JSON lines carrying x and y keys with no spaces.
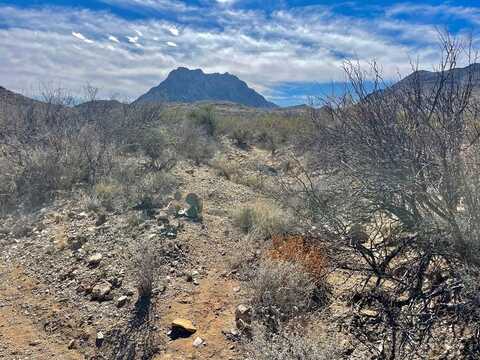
{"x":196,"y":206}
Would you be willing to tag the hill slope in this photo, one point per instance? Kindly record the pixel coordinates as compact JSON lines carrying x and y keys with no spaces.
{"x":429,"y":79}
{"x":187,"y":86}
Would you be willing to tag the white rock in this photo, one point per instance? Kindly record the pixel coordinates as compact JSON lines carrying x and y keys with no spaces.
{"x":198,"y":342}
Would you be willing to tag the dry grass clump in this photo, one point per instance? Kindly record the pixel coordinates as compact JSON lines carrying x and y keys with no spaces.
{"x":230,"y":170}
{"x":263,"y":219}
{"x":256,"y":182}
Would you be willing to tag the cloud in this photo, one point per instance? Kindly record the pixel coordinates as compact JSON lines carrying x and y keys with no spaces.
{"x":173,"y":30}
{"x":304,"y":44}
{"x":132,"y":39}
{"x":81,"y":37}
{"x":114,"y":39}
{"x":226,"y":2}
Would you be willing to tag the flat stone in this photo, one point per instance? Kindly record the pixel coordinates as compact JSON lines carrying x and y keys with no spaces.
{"x":182,"y":328}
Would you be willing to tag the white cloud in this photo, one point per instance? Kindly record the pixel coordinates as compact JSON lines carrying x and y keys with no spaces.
{"x":226,"y":2}
{"x":80,"y":36}
{"x":132,"y":39}
{"x":173,"y":30}
{"x":303,"y":45}
{"x":114,"y":39}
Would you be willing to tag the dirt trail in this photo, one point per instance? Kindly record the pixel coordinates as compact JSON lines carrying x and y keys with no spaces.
{"x":20,"y":337}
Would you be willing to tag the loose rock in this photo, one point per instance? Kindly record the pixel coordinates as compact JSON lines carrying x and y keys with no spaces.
{"x":95,"y":260}
{"x":101,"y":292}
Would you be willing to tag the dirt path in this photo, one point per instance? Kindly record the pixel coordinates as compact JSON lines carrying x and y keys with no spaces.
{"x":21,"y":299}
{"x":210,"y":305}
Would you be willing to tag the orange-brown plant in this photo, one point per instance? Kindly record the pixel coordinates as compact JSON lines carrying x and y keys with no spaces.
{"x":302,"y":250}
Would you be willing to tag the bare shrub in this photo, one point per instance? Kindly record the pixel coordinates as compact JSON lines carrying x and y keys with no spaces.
{"x":281,"y":291}
{"x":291,"y":345}
{"x":146,"y":263}
{"x":109,"y":194}
{"x":403,"y":158}
{"x":152,"y":190}
{"x":156,"y":146}
{"x":264,"y":219}
{"x":193,"y":144}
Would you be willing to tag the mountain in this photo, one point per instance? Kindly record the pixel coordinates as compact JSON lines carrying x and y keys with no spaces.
{"x":428,"y":79}
{"x":11,"y":98}
{"x":187,"y":86}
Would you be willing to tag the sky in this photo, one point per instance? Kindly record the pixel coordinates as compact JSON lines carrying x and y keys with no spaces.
{"x":288,"y":50}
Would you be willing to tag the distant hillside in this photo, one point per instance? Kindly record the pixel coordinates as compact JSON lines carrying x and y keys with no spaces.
{"x":187,"y":86}
{"x":428,"y":79}
{"x":11,"y":98}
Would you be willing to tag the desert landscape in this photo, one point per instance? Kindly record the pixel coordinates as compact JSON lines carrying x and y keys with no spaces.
{"x":202,"y":220}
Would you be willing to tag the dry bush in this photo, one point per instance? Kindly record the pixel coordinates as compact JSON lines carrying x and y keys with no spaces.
{"x":281,"y":291}
{"x":146,"y":263}
{"x":205,"y":119}
{"x":291,"y":345}
{"x":228,"y":169}
{"x":192,"y":143}
{"x":263,"y":219}
{"x":408,"y":153}
{"x":254,"y":181}
{"x":152,"y":190}
{"x":109,"y":194}
{"x":301,"y":250}
{"x":244,"y":256}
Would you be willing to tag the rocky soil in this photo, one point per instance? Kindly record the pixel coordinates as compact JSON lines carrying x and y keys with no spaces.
{"x":67,"y":289}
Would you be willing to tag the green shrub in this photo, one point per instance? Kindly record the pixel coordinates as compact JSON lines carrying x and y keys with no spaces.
{"x":204,"y":118}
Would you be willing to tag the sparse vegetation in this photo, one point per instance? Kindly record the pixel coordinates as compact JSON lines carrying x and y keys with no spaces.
{"x":288,"y":345}
{"x":362,"y":217}
{"x":263,"y":219}
{"x":281,"y":291}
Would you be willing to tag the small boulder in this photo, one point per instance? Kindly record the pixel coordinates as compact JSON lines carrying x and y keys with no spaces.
{"x":121,"y":301}
{"x":182,"y":328}
{"x":95,"y":259}
{"x":101,"y":292}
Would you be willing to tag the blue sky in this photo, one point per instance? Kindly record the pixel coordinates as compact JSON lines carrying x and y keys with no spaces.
{"x":289,"y":50}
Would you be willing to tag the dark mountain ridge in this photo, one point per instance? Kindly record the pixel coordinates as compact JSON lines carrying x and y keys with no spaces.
{"x":187,"y":86}
{"x":428,"y":79}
